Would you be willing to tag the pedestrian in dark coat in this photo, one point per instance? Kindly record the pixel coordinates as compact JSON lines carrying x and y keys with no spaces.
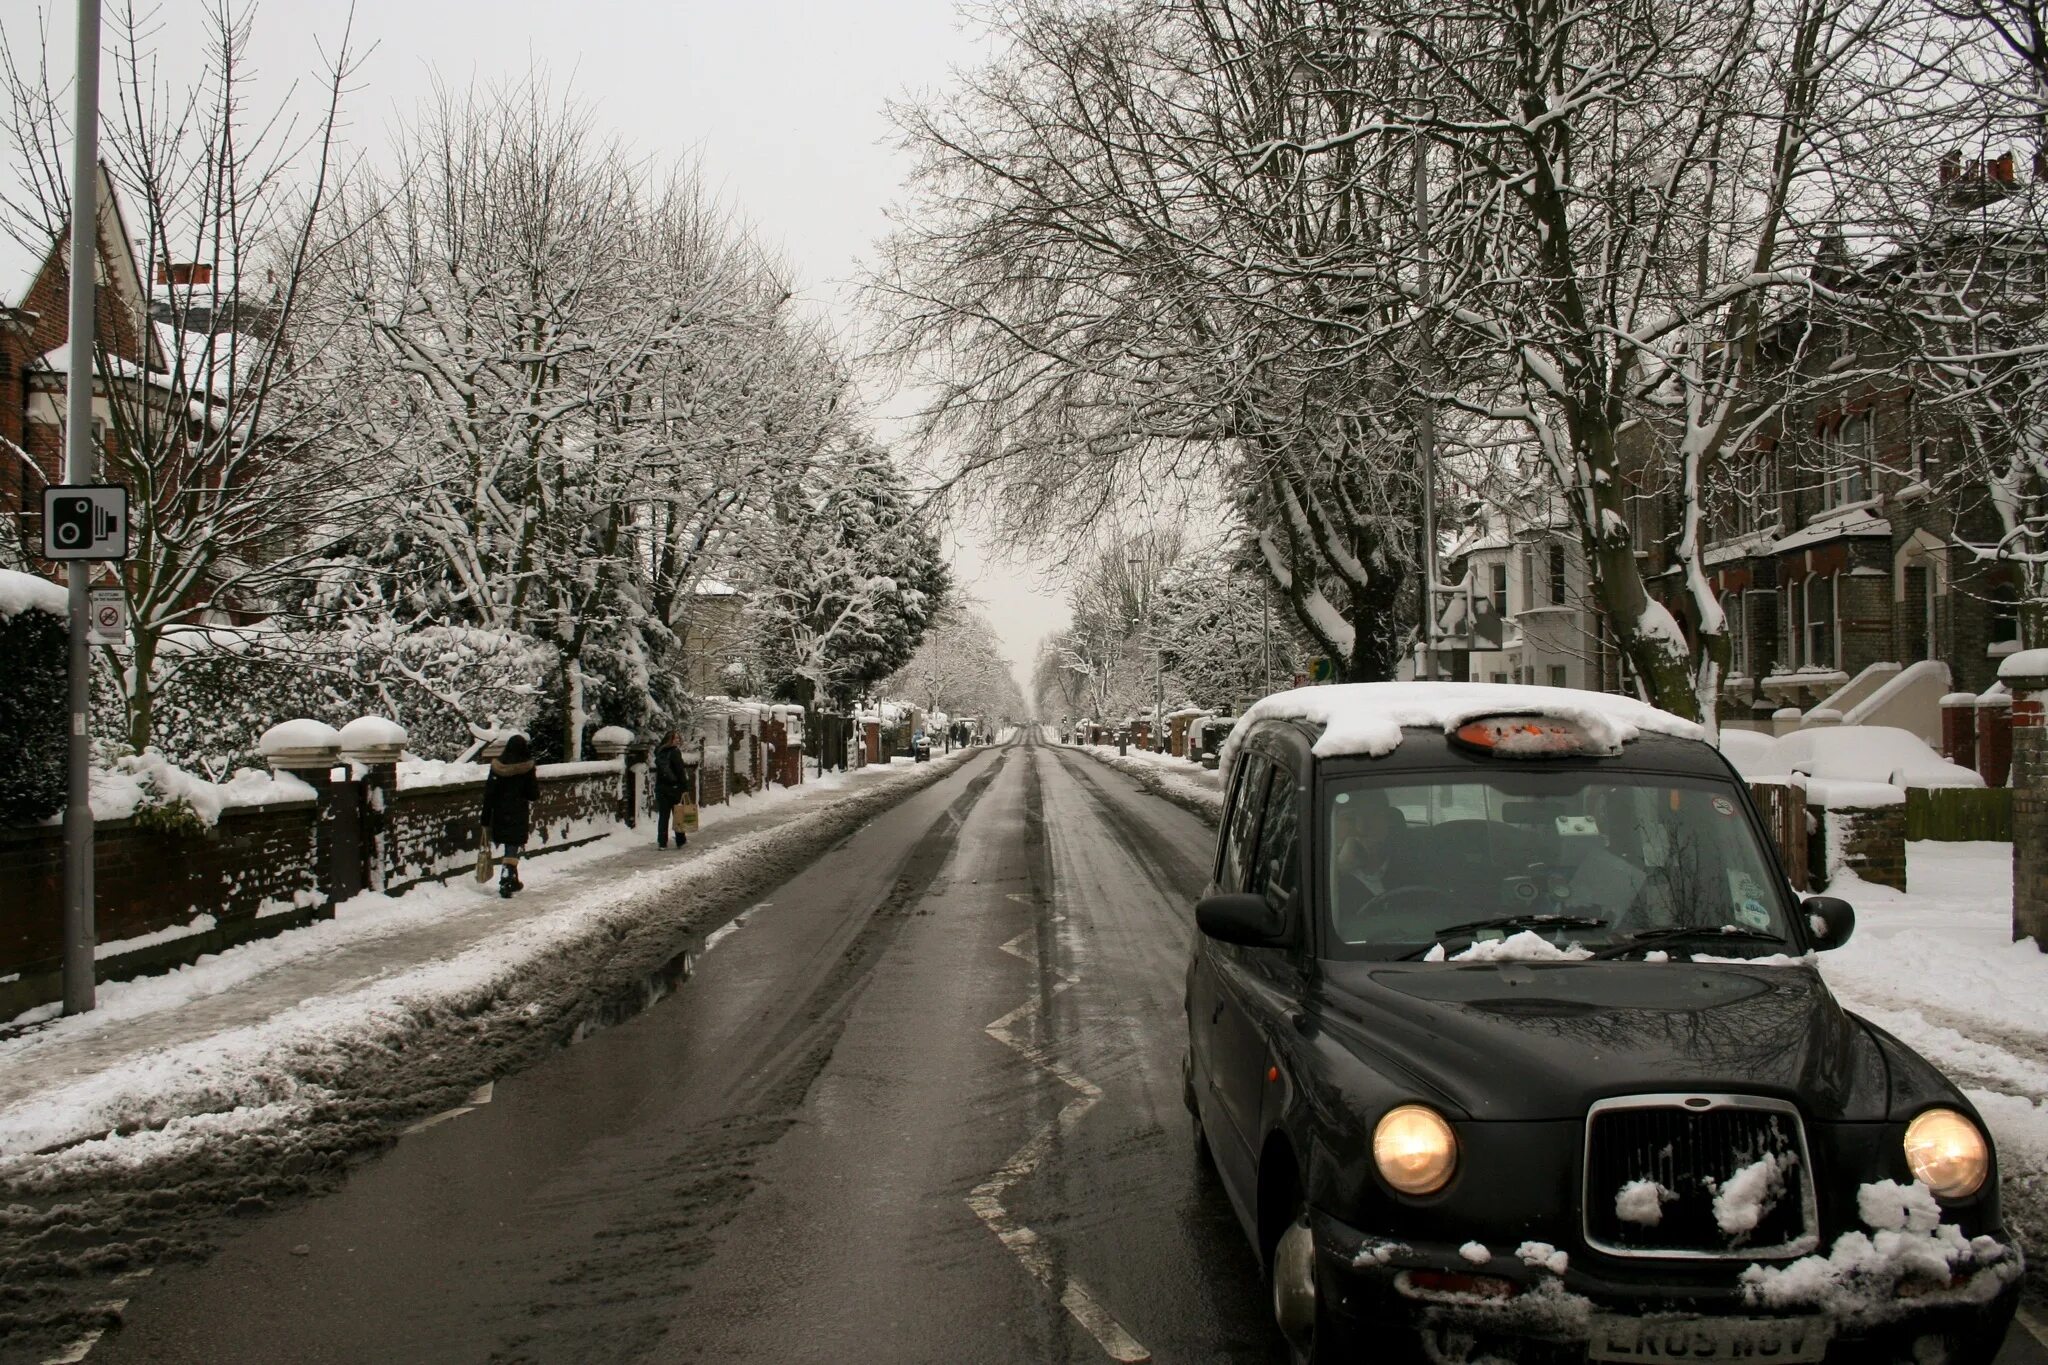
{"x":510,"y":790}
{"x":671,"y":784}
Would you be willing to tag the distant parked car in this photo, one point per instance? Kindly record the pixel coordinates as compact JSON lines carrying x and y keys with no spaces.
{"x":1506,"y":1042}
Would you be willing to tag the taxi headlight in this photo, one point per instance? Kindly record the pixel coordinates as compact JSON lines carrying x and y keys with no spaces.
{"x":1415,"y":1149}
{"x":1947,"y":1153}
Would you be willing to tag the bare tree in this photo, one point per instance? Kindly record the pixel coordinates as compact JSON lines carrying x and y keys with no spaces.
{"x":213,"y":384}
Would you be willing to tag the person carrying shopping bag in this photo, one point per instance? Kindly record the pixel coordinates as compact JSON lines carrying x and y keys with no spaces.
{"x":510,"y":790}
{"x":671,"y":788}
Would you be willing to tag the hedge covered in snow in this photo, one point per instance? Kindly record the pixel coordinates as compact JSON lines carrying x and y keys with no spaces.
{"x":32,"y":668}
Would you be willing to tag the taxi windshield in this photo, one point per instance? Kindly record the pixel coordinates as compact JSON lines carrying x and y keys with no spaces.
{"x":1605,"y":861}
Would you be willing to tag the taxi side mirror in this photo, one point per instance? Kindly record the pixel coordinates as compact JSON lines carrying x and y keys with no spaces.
{"x":1830,"y":920}
{"x":1241,"y":917}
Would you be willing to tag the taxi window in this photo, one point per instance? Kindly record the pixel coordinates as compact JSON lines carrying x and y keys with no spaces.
{"x":1278,"y":874}
{"x":1637,"y":852}
{"x":1250,"y":787}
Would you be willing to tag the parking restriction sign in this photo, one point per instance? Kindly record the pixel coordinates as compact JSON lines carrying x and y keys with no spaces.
{"x":107,"y":617}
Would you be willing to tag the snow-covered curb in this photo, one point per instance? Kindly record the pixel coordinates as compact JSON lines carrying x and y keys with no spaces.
{"x":274,"y":1072}
{"x":1188,"y":785}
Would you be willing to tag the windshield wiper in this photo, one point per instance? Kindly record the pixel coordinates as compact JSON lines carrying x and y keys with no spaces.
{"x":1527,"y":920}
{"x":1648,"y":938}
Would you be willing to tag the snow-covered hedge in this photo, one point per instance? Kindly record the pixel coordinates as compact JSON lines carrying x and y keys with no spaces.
{"x":32,"y":669}
{"x":221,"y":690}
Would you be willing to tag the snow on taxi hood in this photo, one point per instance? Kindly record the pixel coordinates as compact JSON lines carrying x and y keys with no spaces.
{"x":1364,"y":720}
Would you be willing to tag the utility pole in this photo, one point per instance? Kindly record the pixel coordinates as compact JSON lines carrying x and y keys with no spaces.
{"x":81,"y":466}
{"x":1425,"y":417}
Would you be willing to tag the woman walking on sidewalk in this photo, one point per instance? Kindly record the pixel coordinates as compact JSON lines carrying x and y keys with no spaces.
{"x":509,"y":793}
{"x":671,"y":784}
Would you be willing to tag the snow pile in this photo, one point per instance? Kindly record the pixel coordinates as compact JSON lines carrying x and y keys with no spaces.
{"x":1861,"y":1275}
{"x":1475,"y":1252}
{"x":1366,"y":719}
{"x":20,"y":592}
{"x":1526,"y":946}
{"x":148,"y":779}
{"x":1847,"y":758}
{"x":1545,"y":1255}
{"x":1188,"y":785}
{"x":1743,"y":1199}
{"x":1642,"y":1202}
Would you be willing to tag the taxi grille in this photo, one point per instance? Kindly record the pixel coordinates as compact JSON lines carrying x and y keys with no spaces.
{"x":1749,"y":1152}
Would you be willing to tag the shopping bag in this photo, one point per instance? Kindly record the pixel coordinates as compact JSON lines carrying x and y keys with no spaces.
{"x":483,"y":854}
{"x":686,"y":815}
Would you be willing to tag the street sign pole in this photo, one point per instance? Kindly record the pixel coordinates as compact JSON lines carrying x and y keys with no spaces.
{"x":81,"y":466}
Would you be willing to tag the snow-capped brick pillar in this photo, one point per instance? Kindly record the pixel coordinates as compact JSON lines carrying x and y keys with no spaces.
{"x":611,"y":744}
{"x":1994,"y":738}
{"x":372,"y":746}
{"x":2025,"y":675}
{"x":1959,"y":728}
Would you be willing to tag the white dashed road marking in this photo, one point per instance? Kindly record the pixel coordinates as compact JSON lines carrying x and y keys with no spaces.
{"x":81,"y":1348}
{"x":987,"y":1198}
{"x":477,"y":1099}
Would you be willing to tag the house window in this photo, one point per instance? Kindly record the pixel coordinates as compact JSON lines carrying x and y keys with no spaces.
{"x":1794,"y":633}
{"x":1500,"y":589}
{"x":1528,"y":577}
{"x":1556,"y":574}
{"x":1557,"y":675}
{"x":2004,"y":601}
{"x":1500,"y":677}
{"x":1820,"y":621}
{"x":1845,"y":462}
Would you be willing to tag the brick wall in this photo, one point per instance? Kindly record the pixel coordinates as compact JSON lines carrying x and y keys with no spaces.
{"x":1871,"y":842}
{"x":431,"y":832}
{"x":260,"y":870}
{"x":255,"y":872}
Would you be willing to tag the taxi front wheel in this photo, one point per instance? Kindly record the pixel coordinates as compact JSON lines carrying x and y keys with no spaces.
{"x":1314,"y":1336}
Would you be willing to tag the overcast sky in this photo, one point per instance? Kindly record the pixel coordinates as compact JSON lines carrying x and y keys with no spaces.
{"x":781,"y":103}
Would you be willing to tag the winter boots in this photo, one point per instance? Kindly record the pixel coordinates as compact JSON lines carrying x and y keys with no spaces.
{"x":508,"y":880}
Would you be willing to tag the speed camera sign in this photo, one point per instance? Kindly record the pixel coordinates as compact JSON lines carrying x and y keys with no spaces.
{"x":85,"y":521}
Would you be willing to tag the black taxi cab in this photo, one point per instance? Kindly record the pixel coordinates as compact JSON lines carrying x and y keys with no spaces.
{"x":1506,"y":1040}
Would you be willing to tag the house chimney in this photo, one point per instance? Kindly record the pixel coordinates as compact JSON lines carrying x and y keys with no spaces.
{"x":184,"y":273}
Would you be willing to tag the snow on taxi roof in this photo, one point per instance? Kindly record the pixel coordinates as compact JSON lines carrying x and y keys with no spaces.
{"x":1364,"y":720}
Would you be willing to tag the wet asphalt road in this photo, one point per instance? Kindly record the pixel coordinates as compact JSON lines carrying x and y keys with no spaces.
{"x":921,"y":1105}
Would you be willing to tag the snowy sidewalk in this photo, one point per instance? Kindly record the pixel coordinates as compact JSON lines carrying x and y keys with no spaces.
{"x":216,"y":1035}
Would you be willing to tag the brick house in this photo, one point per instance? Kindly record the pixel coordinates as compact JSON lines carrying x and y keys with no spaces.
{"x":34,"y":361}
{"x":170,"y":345}
{"x":1832,"y":543}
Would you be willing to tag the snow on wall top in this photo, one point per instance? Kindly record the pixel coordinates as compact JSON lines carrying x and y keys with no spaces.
{"x":21,"y":592}
{"x":372,"y":732}
{"x":1366,"y":719}
{"x":298,"y":734}
{"x":1869,"y":755}
{"x":2028,"y":663}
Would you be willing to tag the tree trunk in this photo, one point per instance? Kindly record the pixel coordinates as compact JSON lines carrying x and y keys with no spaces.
{"x":142,"y":689}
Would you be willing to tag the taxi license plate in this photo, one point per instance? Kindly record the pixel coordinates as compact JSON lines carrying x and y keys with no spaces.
{"x":1778,"y":1341}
